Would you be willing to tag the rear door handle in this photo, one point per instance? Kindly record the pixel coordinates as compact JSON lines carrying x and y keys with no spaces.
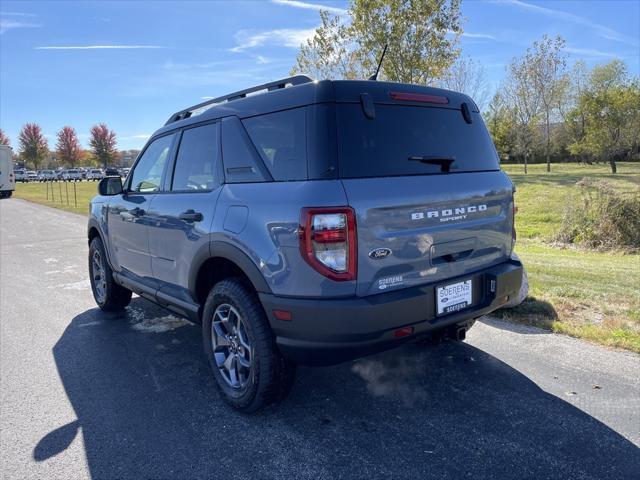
{"x":191,"y":216}
{"x":137,"y":212}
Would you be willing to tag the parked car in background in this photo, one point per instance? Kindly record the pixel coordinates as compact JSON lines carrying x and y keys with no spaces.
{"x":72,"y":174}
{"x":7,"y":175}
{"x":46,"y":175}
{"x":125,"y":172}
{"x":111,"y":172}
{"x":84,"y":172}
{"x":20,"y":175}
{"x":32,"y":176}
{"x":95,"y":174}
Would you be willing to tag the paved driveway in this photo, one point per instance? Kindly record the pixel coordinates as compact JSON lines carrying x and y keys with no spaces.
{"x":90,"y":395}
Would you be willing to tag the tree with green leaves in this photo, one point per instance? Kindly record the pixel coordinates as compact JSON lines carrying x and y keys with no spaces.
{"x":422,"y":38}
{"x":328,"y":54}
{"x":33,"y":145}
{"x":610,"y":106}
{"x":500,"y":123}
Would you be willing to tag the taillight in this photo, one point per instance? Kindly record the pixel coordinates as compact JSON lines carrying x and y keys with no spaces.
{"x":328,"y":241}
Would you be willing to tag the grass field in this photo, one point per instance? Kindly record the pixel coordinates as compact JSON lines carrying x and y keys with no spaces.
{"x":59,"y":194}
{"x":588,"y":294}
{"x":541,"y":196}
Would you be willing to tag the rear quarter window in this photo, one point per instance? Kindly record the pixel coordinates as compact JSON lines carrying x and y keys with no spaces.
{"x":382,"y":146}
{"x":280,"y":139}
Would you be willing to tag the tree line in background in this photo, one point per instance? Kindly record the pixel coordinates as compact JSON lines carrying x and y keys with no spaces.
{"x":542,"y":111}
{"x":34,"y":152}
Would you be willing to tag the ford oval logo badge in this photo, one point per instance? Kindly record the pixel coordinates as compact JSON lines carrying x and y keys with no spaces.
{"x":379,"y":253}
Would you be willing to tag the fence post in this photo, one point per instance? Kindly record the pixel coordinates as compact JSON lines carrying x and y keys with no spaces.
{"x":66,"y":187}
{"x":75,"y":196}
{"x":60,"y":185}
{"x":46,"y":185}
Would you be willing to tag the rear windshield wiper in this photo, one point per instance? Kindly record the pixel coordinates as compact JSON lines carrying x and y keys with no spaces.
{"x":444,"y":162}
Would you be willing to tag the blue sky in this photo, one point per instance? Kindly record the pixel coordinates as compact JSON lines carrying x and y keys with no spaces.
{"x":131,"y":64}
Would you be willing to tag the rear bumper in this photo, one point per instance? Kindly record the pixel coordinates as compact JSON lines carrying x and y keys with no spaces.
{"x":330,"y":331}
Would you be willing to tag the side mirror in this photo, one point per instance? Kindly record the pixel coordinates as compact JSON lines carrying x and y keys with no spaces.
{"x":110,"y":186}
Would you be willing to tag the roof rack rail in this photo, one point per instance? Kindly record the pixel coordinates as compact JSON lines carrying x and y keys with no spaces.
{"x":275,"y":85}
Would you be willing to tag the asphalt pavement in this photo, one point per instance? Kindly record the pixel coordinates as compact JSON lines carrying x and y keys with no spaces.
{"x":86,"y":394}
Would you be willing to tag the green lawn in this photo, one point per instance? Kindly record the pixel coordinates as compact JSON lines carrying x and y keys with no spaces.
{"x":593,"y":295}
{"x":541,"y":196}
{"x":59,"y":194}
{"x":588,"y":294}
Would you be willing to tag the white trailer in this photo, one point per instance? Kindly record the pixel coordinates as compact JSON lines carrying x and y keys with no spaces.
{"x":7,"y":178}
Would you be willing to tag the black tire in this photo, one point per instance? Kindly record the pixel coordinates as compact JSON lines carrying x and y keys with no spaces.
{"x":271,"y":376}
{"x":110,"y":297}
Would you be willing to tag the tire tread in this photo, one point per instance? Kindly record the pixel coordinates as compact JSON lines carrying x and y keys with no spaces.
{"x":275,"y":375}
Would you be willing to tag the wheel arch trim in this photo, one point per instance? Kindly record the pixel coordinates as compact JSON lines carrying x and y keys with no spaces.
{"x":232,"y":253}
{"x":95,"y":225}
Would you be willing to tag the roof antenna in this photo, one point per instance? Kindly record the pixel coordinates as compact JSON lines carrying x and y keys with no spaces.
{"x":374,"y":77}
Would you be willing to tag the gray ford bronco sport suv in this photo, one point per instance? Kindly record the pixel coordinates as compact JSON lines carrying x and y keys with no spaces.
{"x":314,"y":223}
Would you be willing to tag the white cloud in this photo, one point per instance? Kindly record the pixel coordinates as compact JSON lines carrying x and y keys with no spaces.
{"x":287,"y":37}
{"x":478,"y":35}
{"x":310,"y":6}
{"x":99,"y":47}
{"x":590,"y":52}
{"x":6,"y":25}
{"x":602,"y":30}
{"x":16,"y":14}
{"x":484,"y":36}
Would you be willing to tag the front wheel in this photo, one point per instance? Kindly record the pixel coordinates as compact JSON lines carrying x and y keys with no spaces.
{"x":109,"y":296}
{"x":248,"y":367}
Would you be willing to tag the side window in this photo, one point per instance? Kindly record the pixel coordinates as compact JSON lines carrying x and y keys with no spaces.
{"x":282,"y":142}
{"x":197,"y":159}
{"x":146,"y":177}
{"x":242,"y":163}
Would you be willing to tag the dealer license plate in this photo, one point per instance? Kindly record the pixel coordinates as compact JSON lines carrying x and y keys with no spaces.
{"x":454,"y":297}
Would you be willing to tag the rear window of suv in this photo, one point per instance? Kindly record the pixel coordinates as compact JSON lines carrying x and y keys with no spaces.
{"x":391,"y":143}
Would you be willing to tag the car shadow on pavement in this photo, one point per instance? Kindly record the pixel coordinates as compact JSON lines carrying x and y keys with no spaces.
{"x":147,"y":407}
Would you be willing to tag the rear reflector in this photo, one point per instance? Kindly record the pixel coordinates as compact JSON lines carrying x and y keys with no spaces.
{"x":418,"y":97}
{"x":284,"y":315}
{"x":403,"y":332}
{"x":329,"y":236}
